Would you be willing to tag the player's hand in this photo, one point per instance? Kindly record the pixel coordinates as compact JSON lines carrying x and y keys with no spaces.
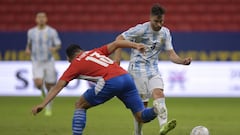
{"x":53,"y":49}
{"x":187,"y":61}
{"x":27,"y":51}
{"x":141,"y":48}
{"x":37,"y":109}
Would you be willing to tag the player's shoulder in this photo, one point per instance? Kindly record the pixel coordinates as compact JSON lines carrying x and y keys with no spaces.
{"x":165,"y":29}
{"x":143,"y":25}
{"x":32,"y":29}
{"x":51,"y":28}
{"x":138,"y":29}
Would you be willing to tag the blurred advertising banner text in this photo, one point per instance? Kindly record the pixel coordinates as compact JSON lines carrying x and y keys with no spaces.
{"x":200,"y":79}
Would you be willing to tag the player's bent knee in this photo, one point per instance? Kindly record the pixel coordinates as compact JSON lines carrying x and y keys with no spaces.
{"x":82,"y":104}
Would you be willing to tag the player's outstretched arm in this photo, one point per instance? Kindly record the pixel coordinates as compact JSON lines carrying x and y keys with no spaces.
{"x":28,"y":49}
{"x":118,"y":52}
{"x":50,"y":96}
{"x":55,"y":48}
{"x":178,"y":60}
{"x":125,"y":44}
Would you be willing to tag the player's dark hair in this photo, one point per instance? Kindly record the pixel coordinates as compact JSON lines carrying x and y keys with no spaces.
{"x":157,"y":10}
{"x":72,"y":49}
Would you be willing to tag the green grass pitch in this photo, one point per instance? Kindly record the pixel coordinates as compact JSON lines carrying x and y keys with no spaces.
{"x":220,"y":115}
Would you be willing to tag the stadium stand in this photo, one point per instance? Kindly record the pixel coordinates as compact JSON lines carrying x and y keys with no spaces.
{"x":118,"y":15}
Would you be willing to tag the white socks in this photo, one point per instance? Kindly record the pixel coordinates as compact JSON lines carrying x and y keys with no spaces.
{"x":161,"y":110}
{"x":137,"y":128}
{"x":49,"y":106}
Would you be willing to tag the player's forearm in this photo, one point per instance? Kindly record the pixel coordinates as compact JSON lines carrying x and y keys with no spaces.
{"x":118,"y":51}
{"x":57,"y":47}
{"x":53,"y":92}
{"x":124,"y":44}
{"x":28,"y":46}
{"x":174,"y":57}
{"x":177,"y":60}
{"x":117,"y":55}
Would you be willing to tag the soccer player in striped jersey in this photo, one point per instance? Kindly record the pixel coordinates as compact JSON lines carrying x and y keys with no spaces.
{"x":111,"y":80}
{"x":144,"y":68}
{"x":42,"y":42}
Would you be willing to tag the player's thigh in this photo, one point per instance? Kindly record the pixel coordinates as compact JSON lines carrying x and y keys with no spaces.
{"x":142,"y":87}
{"x":156,"y":82}
{"x":50,"y":73}
{"x":37,"y":70}
{"x":99,"y":93}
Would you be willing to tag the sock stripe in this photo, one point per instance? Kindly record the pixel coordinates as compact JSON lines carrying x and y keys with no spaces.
{"x":79,"y":121}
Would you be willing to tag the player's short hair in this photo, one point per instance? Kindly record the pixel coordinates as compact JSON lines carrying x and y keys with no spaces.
{"x":157,"y":10}
{"x":72,"y":49}
{"x":41,"y":12}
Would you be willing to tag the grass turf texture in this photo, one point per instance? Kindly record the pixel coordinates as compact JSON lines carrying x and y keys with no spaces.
{"x":220,"y":115}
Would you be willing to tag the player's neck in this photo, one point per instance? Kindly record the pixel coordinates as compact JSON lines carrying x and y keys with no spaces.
{"x":41,"y":27}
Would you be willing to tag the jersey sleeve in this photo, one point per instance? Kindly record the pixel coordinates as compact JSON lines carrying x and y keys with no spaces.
{"x":168,"y":42}
{"x":104,"y":50}
{"x":29,"y":41}
{"x":56,"y":39}
{"x":70,"y":74}
{"x":134,"y":32}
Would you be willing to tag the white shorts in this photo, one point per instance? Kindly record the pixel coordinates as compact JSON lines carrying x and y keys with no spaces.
{"x":146,"y":85}
{"x":44,"y":70}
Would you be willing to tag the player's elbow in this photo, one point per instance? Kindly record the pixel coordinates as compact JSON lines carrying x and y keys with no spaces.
{"x":115,"y":45}
{"x":120,"y":37}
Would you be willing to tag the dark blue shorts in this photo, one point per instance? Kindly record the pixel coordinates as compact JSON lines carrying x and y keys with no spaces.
{"x":122,"y":87}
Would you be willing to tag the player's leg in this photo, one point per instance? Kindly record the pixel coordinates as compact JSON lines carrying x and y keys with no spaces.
{"x":50,"y":78}
{"x":79,"y":116}
{"x":140,"y":83}
{"x":92,"y":97}
{"x":38,"y":75}
{"x":156,"y":85}
{"x":132,"y":100}
{"x":130,"y":97}
{"x":138,"y":125}
{"x":160,"y":105}
{"x":48,"y":109}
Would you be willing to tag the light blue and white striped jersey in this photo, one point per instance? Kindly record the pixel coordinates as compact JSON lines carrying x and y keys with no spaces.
{"x":156,"y":41}
{"x":41,"y":40}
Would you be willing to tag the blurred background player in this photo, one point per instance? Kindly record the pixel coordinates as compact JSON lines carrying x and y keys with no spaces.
{"x":111,"y":80}
{"x":42,"y":42}
{"x":144,"y":68}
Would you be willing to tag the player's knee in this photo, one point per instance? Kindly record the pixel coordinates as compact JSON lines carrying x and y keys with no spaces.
{"x":38,"y":83}
{"x":157,"y":93}
{"x":49,"y":86}
{"x":78,"y":105}
{"x":82,"y":104}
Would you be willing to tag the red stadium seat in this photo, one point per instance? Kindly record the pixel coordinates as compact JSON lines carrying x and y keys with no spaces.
{"x":115,"y":15}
